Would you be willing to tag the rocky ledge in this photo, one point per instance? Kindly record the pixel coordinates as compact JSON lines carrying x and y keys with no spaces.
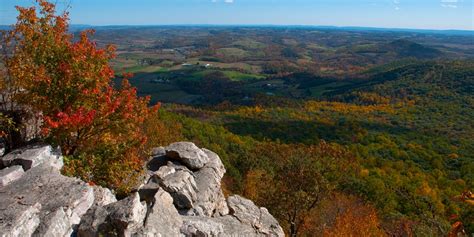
{"x":181,"y":196}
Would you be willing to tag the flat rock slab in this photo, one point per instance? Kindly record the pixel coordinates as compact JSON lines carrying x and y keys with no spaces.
{"x":188,"y":154}
{"x":32,"y":156}
{"x":10,"y":174}
{"x":29,"y":200}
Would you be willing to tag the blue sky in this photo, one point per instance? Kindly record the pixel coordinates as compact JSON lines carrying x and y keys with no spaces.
{"x":418,"y":14}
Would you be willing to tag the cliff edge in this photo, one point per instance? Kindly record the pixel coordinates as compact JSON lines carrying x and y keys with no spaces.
{"x":181,"y":196}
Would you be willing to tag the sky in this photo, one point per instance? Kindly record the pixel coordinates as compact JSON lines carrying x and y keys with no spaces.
{"x":409,"y":14}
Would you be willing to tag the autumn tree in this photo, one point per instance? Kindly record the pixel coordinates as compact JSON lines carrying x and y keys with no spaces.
{"x":300,"y":177}
{"x":352,"y":218}
{"x":69,"y":81}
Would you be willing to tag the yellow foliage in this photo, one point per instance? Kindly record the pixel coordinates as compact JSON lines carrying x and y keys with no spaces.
{"x":364,"y":173}
{"x":453,"y":156}
{"x":313,"y":106}
{"x":426,"y":190}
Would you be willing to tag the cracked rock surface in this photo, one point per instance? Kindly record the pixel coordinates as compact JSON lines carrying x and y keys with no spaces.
{"x":41,"y":201}
{"x":181,"y":196}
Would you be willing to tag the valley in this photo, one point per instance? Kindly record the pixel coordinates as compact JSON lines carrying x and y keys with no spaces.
{"x":398,"y":105}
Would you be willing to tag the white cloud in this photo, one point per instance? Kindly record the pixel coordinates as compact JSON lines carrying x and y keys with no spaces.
{"x":225,"y":1}
{"x":396,"y":4}
{"x":450,"y":3}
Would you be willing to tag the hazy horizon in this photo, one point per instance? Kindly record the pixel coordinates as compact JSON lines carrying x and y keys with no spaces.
{"x":395,"y":14}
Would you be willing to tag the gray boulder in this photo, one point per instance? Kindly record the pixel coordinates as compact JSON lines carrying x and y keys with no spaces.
{"x":235,"y":224}
{"x":210,"y":200}
{"x":163,"y":218}
{"x":18,"y":222}
{"x":32,"y":156}
{"x":177,"y":166}
{"x":122,"y":218}
{"x":158,"y":151}
{"x":182,"y":187}
{"x":187,"y":153}
{"x":56,"y":223}
{"x":258,"y":217}
{"x":103,"y":196}
{"x":93,"y":223}
{"x":126,"y":216}
{"x":228,"y":225}
{"x":181,"y":199}
{"x":41,"y":191}
{"x":215,"y":163}
{"x":233,"y":227}
{"x":197,"y":226}
{"x":198,"y":192}
{"x":201,"y":226}
{"x":10,"y":174}
{"x":164,"y":171}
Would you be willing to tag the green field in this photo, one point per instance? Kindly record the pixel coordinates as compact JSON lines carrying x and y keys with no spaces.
{"x":232,"y":75}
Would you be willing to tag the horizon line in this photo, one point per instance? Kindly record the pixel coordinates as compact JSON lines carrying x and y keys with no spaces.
{"x":276,"y":25}
{"x":348,"y":27}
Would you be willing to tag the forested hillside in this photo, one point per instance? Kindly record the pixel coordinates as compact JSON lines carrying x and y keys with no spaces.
{"x":399,"y":143}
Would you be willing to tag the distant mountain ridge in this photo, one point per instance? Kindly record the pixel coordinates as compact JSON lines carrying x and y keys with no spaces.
{"x":75,"y":27}
{"x":406,"y":48}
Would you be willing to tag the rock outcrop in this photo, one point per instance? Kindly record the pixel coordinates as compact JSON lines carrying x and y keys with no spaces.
{"x":181,"y":196}
{"x":41,"y":201}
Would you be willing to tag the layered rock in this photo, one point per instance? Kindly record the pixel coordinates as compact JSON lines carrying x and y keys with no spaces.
{"x":42,"y":201}
{"x":32,"y":156}
{"x":192,"y":176}
{"x":181,"y":196}
{"x":10,"y":174}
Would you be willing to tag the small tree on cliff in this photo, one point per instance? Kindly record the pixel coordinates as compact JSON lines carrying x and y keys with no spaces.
{"x":98,"y":128}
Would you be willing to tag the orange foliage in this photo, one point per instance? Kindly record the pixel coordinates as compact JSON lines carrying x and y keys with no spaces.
{"x":457,"y":229}
{"x":70,"y":84}
{"x":357,"y":220}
